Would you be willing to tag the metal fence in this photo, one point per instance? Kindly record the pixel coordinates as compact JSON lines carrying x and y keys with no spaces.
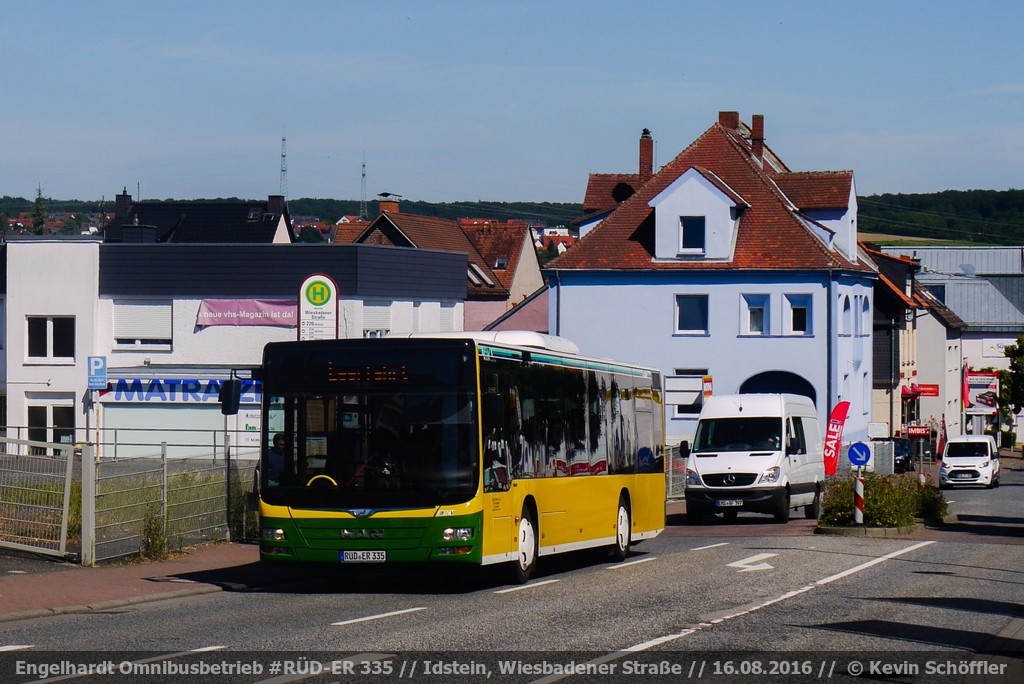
{"x":675,"y":474}
{"x":36,"y":480}
{"x":149,"y":506}
{"x":63,"y":500}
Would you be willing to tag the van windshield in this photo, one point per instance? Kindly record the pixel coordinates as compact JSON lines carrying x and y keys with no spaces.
{"x":966,"y":449}
{"x":738,"y":434}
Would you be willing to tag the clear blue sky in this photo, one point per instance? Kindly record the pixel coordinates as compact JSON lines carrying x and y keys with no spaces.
{"x":511,"y":100}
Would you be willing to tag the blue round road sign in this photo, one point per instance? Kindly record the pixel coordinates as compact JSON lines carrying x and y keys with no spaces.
{"x":860,"y":453}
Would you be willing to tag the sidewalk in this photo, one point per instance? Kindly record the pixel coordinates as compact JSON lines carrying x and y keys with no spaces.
{"x":198,"y":570}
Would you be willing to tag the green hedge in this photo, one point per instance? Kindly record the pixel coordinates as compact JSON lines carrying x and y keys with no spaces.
{"x":889,"y":501}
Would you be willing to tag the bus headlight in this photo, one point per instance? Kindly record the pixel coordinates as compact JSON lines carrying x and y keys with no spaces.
{"x":272,"y":534}
{"x":770,"y":476}
{"x":693,"y":478}
{"x":457,"y":533}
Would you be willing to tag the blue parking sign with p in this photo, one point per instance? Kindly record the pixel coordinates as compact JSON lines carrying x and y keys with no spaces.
{"x":97,"y":372}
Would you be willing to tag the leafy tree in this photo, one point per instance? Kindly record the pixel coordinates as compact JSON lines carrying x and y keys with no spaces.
{"x":39,"y":212}
{"x":72,"y":225}
{"x":310,"y":234}
{"x":547,"y":254}
{"x":1011,"y":381}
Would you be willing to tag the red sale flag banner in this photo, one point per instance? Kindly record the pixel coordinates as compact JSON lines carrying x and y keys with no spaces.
{"x":834,"y":436}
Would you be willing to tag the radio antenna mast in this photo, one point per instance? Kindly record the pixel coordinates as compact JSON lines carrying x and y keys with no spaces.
{"x":362,"y":201}
{"x":284,"y":168}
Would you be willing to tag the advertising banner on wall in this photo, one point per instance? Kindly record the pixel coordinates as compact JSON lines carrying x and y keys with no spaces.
{"x":982,"y":394}
{"x":266,"y":312}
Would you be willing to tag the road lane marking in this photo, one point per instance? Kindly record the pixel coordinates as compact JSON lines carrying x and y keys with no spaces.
{"x":15,"y":647}
{"x":526,"y":586}
{"x":658,"y":641}
{"x":377,"y":617}
{"x":753,"y":563}
{"x":709,"y":546}
{"x":868,"y":564}
{"x":626,"y":565}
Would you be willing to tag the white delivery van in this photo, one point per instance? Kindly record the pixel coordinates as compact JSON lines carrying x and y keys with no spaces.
{"x":970,"y":460}
{"x":755,"y":452}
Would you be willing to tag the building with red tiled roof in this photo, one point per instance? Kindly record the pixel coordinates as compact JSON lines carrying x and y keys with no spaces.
{"x":919,"y":355}
{"x":725,"y":263}
{"x":502,"y":266}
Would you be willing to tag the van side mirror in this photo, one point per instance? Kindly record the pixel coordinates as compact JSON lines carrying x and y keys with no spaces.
{"x":684,"y":449}
{"x":230,"y":396}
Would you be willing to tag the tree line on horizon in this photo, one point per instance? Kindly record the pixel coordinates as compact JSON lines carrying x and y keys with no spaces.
{"x":978,"y":217}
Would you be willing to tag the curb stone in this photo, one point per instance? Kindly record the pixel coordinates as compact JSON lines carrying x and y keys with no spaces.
{"x":862,"y":531}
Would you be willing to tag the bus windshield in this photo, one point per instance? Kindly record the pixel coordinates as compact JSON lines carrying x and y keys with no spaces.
{"x":738,"y":434}
{"x":377,"y":434}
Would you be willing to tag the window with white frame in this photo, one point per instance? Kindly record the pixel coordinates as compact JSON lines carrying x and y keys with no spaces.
{"x":692,"y":314}
{"x":143,"y":324}
{"x":691,"y":235}
{"x":685,"y":391}
{"x":797,"y":315}
{"x":755,"y":315}
{"x":846,"y":320}
{"x":865,"y":316}
{"x":51,"y":338}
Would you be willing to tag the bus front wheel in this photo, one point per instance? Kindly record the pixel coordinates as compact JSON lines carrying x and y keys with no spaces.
{"x":526,"y":553}
{"x":622,"y":531}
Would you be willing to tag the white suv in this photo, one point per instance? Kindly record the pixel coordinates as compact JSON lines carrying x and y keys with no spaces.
{"x":970,"y":460}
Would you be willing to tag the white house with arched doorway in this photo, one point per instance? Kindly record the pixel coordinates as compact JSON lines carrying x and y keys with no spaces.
{"x":730,"y":273}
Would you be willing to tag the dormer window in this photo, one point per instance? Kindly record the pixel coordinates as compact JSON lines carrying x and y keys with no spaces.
{"x":691,"y":235}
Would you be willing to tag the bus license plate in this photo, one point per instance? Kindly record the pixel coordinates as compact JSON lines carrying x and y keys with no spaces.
{"x":725,"y":503}
{"x":364,"y":556}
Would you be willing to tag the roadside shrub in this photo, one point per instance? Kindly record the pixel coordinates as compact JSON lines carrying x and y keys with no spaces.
{"x":889,"y":501}
{"x":932,"y":505}
{"x":153,"y":542}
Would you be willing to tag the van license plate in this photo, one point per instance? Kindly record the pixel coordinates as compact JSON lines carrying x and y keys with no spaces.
{"x":725,"y":503}
{"x":364,"y":556}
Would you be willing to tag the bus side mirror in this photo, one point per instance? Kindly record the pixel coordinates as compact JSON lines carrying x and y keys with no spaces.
{"x":230,"y":396}
{"x":684,"y":449}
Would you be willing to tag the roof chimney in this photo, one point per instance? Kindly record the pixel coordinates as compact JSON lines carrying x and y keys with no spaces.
{"x":275,"y":204}
{"x":757,"y":136}
{"x":646,"y":156}
{"x":730,"y":120}
{"x":122,"y":204}
{"x":387,"y":202}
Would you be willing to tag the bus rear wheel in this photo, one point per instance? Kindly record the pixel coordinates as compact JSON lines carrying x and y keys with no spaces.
{"x":623,"y":524}
{"x":526,"y":553}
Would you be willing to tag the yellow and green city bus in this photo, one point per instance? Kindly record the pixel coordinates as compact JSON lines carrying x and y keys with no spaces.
{"x":456,"y":449}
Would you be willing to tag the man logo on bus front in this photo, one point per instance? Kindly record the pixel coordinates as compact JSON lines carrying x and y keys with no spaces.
{"x":361,"y":512}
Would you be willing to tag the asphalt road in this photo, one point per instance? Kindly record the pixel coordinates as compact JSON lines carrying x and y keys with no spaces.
{"x":742,"y":588}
